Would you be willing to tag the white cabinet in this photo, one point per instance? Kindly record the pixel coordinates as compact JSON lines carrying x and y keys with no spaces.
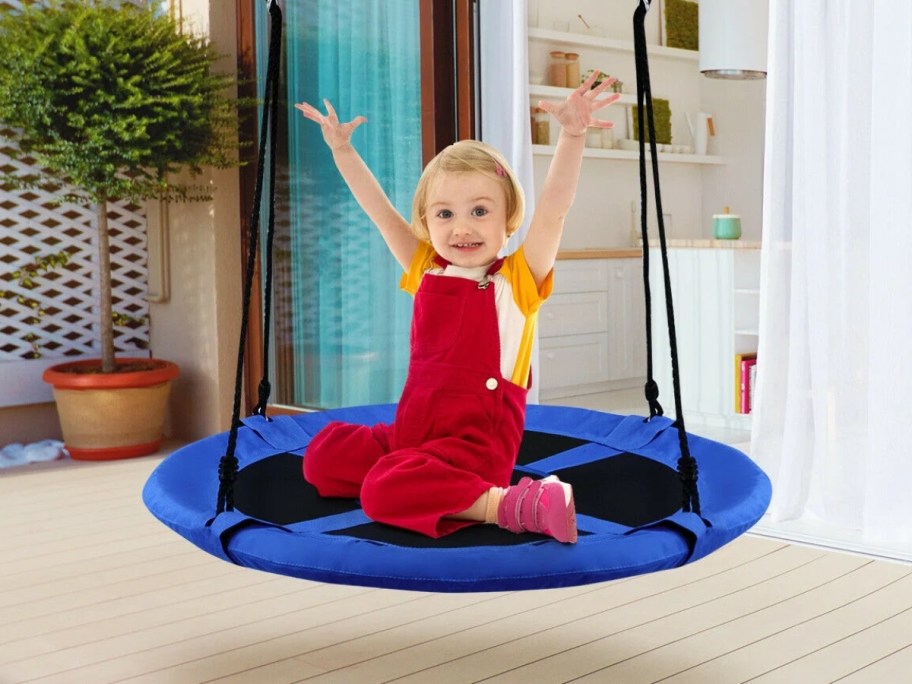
{"x":591,"y":330}
{"x":716,"y":295}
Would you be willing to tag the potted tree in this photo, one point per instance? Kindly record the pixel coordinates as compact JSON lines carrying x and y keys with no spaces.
{"x":111,"y":98}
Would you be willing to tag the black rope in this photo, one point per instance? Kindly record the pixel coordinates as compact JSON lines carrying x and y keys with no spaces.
{"x":228,"y":464}
{"x":264,"y":388}
{"x":651,"y":390}
{"x":687,"y":465}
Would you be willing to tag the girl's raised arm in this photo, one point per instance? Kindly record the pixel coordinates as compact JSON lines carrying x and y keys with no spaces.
{"x":575,"y":115}
{"x":367,"y":191}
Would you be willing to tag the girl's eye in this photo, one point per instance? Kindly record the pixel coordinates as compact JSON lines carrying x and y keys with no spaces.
{"x":479,"y":211}
{"x":444,"y":214}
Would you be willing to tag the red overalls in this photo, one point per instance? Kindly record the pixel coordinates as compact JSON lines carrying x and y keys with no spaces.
{"x":458,"y":424}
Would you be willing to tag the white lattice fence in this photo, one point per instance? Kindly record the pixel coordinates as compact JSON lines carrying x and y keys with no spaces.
{"x":57,"y":315}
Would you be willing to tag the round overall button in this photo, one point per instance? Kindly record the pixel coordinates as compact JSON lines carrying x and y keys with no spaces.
{"x":491,"y":384}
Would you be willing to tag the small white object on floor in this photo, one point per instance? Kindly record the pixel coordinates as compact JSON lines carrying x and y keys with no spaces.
{"x":17,"y":454}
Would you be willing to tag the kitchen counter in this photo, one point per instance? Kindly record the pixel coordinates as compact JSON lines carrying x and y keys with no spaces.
{"x":705,"y":243}
{"x":601,"y":253}
{"x":637,"y":252}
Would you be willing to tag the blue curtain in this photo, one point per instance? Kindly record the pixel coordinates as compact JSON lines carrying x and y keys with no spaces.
{"x":349,"y":321}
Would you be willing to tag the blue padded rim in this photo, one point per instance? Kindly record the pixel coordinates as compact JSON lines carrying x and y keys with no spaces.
{"x":735,"y":493}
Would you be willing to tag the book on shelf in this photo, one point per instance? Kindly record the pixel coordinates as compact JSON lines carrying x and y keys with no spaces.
{"x":746,"y":365}
{"x":752,"y":384}
{"x":743,"y":364}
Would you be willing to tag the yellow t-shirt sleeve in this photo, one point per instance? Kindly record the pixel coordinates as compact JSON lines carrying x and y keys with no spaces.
{"x":421,"y":262}
{"x":527,"y":296}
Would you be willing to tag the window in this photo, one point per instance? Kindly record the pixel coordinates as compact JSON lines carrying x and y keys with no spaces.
{"x":340,"y":331}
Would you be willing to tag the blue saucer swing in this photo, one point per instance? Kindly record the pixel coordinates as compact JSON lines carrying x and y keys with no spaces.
{"x":635,"y":479}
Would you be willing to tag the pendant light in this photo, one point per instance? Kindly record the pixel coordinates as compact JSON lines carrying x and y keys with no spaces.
{"x":733,"y":38}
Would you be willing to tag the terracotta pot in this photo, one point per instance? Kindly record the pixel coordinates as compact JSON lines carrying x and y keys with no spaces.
{"x":112,"y":415}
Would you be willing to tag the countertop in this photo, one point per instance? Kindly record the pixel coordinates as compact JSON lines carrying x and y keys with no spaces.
{"x":706,"y":243}
{"x":637,"y":252}
{"x":601,"y":253}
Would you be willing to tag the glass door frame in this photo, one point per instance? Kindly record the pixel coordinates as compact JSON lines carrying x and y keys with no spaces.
{"x":449,"y":66}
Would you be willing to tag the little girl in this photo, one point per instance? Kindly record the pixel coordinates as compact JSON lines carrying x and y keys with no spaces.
{"x":446,"y":460}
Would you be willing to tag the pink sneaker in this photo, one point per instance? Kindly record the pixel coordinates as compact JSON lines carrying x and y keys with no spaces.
{"x":541,"y":506}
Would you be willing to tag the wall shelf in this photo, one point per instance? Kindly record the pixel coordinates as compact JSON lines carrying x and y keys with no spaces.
{"x":630,"y":155}
{"x":584,"y":40}
{"x":546,"y":92}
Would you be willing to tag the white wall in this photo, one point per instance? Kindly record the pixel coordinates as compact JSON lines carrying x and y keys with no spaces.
{"x":738,"y":109}
{"x":197,"y":327}
{"x":691,"y":194}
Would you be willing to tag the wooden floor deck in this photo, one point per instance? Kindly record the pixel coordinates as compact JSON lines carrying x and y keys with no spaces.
{"x":93,"y":589}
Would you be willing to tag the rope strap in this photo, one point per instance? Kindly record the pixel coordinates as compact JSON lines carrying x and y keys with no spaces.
{"x":687,"y":465}
{"x":228,"y":464}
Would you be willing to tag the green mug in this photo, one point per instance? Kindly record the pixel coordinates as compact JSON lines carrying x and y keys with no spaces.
{"x":726,"y":226}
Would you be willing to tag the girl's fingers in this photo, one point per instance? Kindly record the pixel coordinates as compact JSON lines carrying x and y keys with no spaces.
{"x":309,"y":112}
{"x":330,"y":111}
{"x":587,"y":84}
{"x":330,"y":119}
{"x":352,"y":125}
{"x":604,"y":102}
{"x":602,"y":87}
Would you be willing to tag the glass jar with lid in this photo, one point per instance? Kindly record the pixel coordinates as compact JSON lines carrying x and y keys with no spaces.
{"x":573,"y":69}
{"x":541,"y":127}
{"x":557,"y":69}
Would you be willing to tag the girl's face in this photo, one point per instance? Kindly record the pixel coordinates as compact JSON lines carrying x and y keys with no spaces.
{"x":466,"y":217}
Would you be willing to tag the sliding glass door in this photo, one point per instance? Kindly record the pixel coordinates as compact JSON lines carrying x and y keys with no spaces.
{"x":341,"y":324}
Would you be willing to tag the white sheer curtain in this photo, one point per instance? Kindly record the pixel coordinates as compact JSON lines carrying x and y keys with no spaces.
{"x":833,"y":417}
{"x":504,"y":46}
{"x":503,"y":40}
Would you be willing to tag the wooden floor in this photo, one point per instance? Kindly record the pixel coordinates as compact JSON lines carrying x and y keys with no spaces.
{"x":93,"y":589}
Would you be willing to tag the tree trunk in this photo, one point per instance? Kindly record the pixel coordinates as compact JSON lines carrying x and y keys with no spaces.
{"x":106,"y":322}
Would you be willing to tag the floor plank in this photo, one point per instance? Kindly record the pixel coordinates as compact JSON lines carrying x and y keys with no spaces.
{"x":791,"y":629}
{"x":94,"y":589}
{"x":533,"y":628}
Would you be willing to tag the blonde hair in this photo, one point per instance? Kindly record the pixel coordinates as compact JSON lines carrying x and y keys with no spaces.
{"x":467,"y":156}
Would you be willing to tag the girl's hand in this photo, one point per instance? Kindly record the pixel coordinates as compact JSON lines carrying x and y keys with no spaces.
{"x":575,"y":114}
{"x":335,"y":134}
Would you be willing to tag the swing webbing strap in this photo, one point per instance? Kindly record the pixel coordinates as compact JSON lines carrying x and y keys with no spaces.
{"x":687,"y":465}
{"x":228,"y":464}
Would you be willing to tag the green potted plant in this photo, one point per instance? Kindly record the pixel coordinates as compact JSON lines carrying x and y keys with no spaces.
{"x":110,"y":99}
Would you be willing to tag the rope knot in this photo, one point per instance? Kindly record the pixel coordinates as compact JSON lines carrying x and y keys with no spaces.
{"x":227,"y":469}
{"x":652,"y":390}
{"x":263,"y":392}
{"x":687,"y":469}
{"x":652,"y":398}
